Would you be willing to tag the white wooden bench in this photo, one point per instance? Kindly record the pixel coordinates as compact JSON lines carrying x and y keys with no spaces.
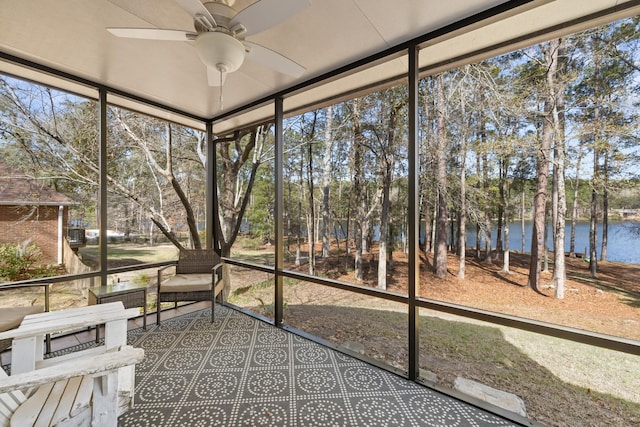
{"x":101,"y":378}
{"x":77,"y":392}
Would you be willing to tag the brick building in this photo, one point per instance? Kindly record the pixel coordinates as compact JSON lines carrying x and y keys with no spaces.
{"x":31,"y":211}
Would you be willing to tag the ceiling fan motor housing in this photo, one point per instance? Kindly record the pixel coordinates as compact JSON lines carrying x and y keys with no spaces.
{"x":220,"y":51}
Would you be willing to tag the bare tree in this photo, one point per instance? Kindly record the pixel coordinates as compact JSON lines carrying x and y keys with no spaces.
{"x":542,"y":178}
{"x":67,"y":144}
{"x":236,"y":181}
{"x":167,"y":172}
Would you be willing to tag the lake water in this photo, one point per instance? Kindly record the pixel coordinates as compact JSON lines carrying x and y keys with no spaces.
{"x":623,"y":244}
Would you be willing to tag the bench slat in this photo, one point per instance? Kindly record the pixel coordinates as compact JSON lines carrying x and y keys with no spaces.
{"x":76,"y":311}
{"x":73,"y":313}
{"x":51,"y":404}
{"x":9,"y":402}
{"x":61,"y":323}
{"x":29,"y":411}
{"x":66,"y":401}
{"x":102,"y":363}
{"x":83,"y":397}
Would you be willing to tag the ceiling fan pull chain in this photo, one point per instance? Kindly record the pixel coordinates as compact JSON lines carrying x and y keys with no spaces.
{"x":221,"y":69}
{"x":221,"y":97}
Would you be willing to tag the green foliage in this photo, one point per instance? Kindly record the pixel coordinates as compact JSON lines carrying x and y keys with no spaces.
{"x":19,"y":262}
{"x":142,"y":279}
{"x":260,"y":212}
{"x":246,"y":242}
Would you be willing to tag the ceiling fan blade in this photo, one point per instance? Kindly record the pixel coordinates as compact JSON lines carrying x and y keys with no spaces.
{"x":273,"y":60}
{"x":213,"y":77}
{"x":152,"y":34}
{"x":199,"y":12}
{"x":267,"y":13}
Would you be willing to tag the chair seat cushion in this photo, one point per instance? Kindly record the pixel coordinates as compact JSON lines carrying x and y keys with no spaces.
{"x":11,"y":317}
{"x":191,"y":282}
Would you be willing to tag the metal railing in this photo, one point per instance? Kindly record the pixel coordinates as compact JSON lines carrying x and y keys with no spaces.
{"x":609,"y":342}
{"x":47,"y":283}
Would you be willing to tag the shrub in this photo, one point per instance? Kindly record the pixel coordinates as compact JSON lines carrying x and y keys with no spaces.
{"x":19,"y":262}
{"x":250,"y":243}
{"x":141,"y":279}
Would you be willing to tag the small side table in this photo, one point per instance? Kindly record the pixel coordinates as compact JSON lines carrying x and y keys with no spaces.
{"x":129,"y":294}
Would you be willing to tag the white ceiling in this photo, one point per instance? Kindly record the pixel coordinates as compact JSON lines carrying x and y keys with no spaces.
{"x":70,"y":36}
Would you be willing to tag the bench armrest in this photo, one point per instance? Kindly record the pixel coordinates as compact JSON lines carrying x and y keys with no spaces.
{"x":161,"y":269}
{"x":74,"y":318}
{"x":168,"y":266}
{"x":213,"y":271}
{"x":105,"y":362}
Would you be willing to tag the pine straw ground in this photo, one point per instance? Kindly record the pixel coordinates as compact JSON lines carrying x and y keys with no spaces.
{"x":562,"y":383}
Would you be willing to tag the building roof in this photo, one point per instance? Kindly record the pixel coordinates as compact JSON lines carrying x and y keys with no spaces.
{"x":19,"y":189}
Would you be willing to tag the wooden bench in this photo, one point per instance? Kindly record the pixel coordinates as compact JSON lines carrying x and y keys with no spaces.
{"x":78,"y":392}
{"x":100,"y":378}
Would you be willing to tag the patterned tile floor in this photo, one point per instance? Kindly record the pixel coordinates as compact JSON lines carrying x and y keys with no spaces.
{"x":240,"y":371}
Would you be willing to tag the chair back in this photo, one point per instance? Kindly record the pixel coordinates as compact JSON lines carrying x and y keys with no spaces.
{"x":196,"y":261}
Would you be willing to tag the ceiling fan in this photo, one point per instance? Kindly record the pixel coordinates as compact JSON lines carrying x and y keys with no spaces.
{"x":220,"y":34}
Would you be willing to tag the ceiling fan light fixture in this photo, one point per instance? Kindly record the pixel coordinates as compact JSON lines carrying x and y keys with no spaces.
{"x":220,"y":51}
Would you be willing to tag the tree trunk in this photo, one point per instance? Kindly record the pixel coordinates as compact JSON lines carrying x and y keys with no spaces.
{"x":505,"y":224}
{"x":540,"y":199}
{"x":499,"y":227}
{"x":478,"y":197}
{"x":505,"y":256}
{"x":478,"y":239}
{"x":326,"y":184}
{"x":384,"y":236}
{"x":440,"y":258}
{"x":596,"y":180}
{"x":386,"y":169}
{"x":557,"y":87}
{"x":428,"y":221}
{"x":605,"y":206}
{"x":311,"y":214}
{"x":358,"y":190}
{"x":574,"y":209}
{"x":593,"y":222}
{"x":298,"y":260}
{"x":462,"y":218}
{"x":487,"y":208}
{"x":522,"y":227}
{"x":545,"y":260}
{"x":462,"y":232}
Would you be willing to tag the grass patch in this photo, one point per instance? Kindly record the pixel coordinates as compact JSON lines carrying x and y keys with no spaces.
{"x":249,"y":243}
{"x":129,"y":254}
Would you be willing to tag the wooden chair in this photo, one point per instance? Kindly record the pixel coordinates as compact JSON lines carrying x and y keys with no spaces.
{"x":87,"y":387}
{"x":198,"y":277}
{"x":78,"y":392}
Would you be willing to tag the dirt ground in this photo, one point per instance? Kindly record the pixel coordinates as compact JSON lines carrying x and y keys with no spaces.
{"x":608,"y":304}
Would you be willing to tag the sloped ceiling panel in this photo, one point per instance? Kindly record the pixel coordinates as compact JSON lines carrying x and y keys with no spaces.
{"x":70,"y":36}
